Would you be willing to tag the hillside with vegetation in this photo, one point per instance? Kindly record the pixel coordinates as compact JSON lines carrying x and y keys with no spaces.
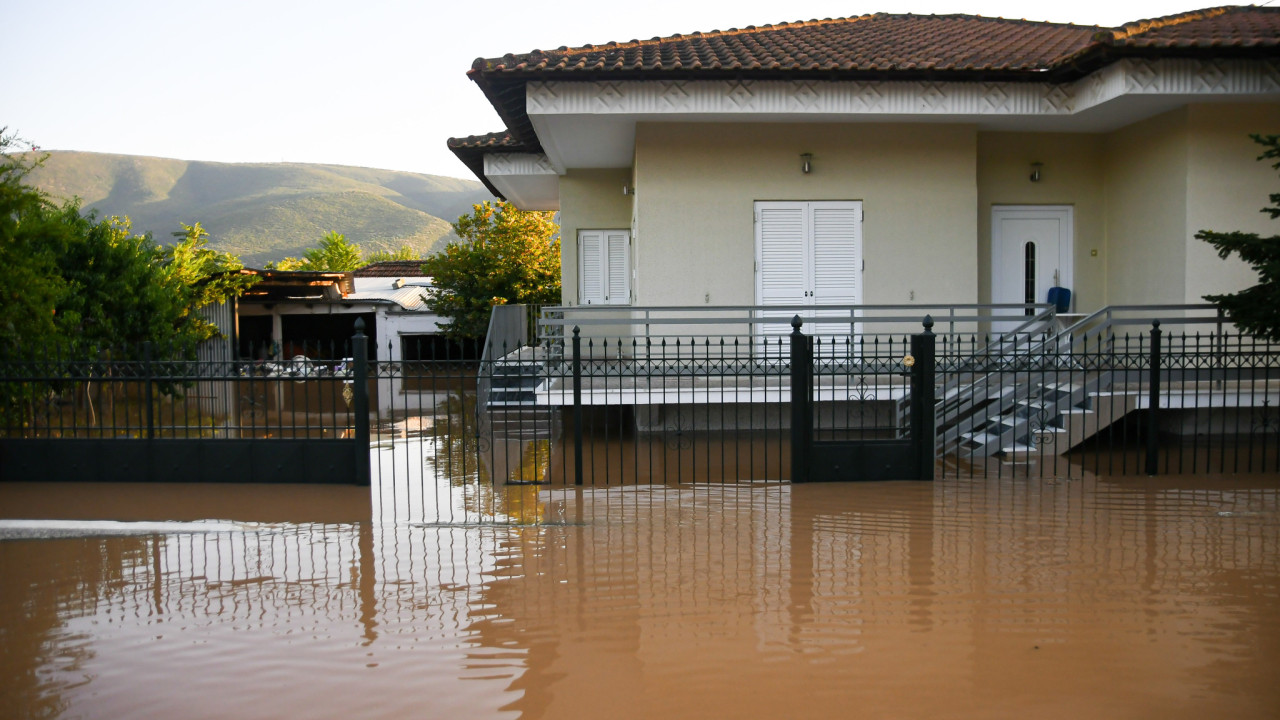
{"x":264,"y":212}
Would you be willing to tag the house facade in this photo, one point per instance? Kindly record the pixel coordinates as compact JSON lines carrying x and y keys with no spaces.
{"x":893,"y":159}
{"x":308,"y":312}
{"x":312,"y":314}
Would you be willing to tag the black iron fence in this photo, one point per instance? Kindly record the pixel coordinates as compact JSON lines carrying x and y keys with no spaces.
{"x":573,"y":412}
{"x":1138,"y":402}
{"x":152,"y":414}
{"x":450,"y":440}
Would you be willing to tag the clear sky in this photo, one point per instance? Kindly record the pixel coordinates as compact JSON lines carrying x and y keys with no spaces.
{"x":374,"y":83}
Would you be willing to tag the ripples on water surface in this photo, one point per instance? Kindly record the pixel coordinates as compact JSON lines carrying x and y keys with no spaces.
{"x":1002,"y":598}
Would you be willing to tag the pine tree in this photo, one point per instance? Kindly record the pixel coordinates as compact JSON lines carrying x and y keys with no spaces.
{"x":1255,"y":310}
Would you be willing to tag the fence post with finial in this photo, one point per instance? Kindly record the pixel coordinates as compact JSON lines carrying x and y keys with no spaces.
{"x":360,"y":401}
{"x":923,"y":399}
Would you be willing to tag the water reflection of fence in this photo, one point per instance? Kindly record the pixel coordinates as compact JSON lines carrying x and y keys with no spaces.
{"x":768,"y":571}
{"x":956,"y":528}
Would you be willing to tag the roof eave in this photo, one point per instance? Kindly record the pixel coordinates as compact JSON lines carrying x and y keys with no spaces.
{"x":473,"y":158}
{"x":505,"y":90}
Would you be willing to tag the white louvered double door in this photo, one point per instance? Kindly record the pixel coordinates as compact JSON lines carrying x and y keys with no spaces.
{"x":809,"y":254}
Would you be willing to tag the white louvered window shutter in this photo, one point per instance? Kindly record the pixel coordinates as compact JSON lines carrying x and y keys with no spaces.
{"x":604,"y":267}
{"x":781,"y":261}
{"x":837,"y":260}
{"x":591,"y":257}
{"x":618,"y":267}
{"x":781,"y":246}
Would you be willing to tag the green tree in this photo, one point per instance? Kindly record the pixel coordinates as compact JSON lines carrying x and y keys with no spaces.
{"x":505,"y":256}
{"x":124,"y":288}
{"x":332,"y":254}
{"x":404,"y":253}
{"x":1255,"y":310}
{"x":202,"y":276}
{"x":32,"y":287}
{"x":77,"y":281}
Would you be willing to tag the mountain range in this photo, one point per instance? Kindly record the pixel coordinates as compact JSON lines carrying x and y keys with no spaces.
{"x":264,"y":211}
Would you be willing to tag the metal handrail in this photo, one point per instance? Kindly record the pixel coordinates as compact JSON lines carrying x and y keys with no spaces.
{"x":694,"y":315}
{"x":556,"y":320}
{"x":508,"y":331}
{"x":960,"y":397}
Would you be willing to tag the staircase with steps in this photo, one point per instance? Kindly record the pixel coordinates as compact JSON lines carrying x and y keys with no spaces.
{"x":1028,"y":394}
{"x":1045,"y":415}
{"x":511,"y":407}
{"x":1038,"y":389}
{"x":509,"y":376}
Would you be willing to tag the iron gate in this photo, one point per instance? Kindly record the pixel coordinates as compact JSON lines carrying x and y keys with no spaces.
{"x":854,"y":450}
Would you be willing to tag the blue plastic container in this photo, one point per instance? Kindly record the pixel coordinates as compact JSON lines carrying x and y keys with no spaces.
{"x":1060,"y":298}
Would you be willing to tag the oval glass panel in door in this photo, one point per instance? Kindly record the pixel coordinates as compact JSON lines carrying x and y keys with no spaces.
{"x":1029,"y":277}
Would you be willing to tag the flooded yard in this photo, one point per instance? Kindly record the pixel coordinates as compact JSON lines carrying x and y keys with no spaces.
{"x":961,"y":598}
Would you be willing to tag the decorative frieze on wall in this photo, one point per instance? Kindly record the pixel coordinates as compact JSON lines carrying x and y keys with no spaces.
{"x":517,"y":164}
{"x":823,"y":97}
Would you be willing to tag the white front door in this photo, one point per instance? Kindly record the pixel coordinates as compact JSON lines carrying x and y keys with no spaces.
{"x":809,"y":254}
{"x":1030,"y":253}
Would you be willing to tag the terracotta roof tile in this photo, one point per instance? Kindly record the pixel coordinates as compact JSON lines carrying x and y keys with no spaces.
{"x":491,"y":141}
{"x":870,"y":43}
{"x":874,"y":47}
{"x":1224,"y":27}
{"x":472,"y":149}
{"x":390,"y":268}
{"x":885,"y":43}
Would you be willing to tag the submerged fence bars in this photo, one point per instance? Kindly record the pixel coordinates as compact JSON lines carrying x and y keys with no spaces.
{"x":572,"y":399}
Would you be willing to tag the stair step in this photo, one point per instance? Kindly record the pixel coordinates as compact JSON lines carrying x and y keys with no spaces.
{"x":521,"y":385}
{"x":1037,"y":404}
{"x":519,"y":368}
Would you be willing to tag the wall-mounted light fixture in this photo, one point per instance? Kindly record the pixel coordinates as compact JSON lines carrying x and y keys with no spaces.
{"x":806,"y":163}
{"x":1035,"y":171}
{"x":628,"y":190}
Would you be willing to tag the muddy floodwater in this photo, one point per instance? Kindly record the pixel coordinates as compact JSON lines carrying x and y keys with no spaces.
{"x":1010,"y":598}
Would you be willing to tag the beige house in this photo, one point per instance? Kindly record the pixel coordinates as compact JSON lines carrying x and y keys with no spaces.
{"x":893,"y":159}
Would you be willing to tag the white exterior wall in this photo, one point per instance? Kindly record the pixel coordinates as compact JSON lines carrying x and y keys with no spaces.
{"x":589,"y":200}
{"x":696,"y":185}
{"x":1145,"y":182}
{"x":1071,"y":175}
{"x":1226,"y":188}
{"x":1169,"y":177}
{"x":1139,"y":195}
